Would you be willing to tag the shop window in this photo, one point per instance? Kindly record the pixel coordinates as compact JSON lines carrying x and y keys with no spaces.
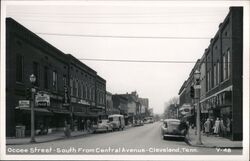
{"x":19,"y":68}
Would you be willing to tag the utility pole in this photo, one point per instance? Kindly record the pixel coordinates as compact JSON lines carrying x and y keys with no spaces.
{"x":197,"y":87}
{"x":32,"y":102}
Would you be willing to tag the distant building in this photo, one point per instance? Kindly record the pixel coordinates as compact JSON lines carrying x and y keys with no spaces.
{"x":120,"y":104}
{"x":109,"y":103}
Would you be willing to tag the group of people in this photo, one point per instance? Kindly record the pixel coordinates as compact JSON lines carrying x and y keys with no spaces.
{"x":219,"y":127}
{"x":86,"y":125}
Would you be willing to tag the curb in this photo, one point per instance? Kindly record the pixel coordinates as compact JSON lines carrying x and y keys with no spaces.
{"x":46,"y":141}
{"x":205,"y":146}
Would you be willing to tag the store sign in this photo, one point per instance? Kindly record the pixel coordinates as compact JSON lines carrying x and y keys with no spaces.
{"x":42,"y":99}
{"x":24,"y":103}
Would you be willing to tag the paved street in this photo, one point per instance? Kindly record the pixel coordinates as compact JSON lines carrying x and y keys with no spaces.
{"x":135,"y":140}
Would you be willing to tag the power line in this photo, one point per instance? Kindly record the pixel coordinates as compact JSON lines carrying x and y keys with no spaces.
{"x":134,"y":23}
{"x":137,"y":61}
{"x":122,"y":36}
{"x":146,"y":61}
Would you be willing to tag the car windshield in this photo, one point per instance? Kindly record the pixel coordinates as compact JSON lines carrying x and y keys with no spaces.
{"x":111,"y":119}
{"x":174,"y":124}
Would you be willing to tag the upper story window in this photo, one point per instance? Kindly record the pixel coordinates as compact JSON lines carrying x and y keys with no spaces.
{"x":71,"y":86}
{"x":84,"y":92}
{"x":225,"y":66}
{"x":54,"y":80}
{"x":215,"y":75}
{"x":46,"y":78}
{"x":19,"y":68}
{"x":218,"y":72}
{"x":229,"y":63}
{"x":36,"y":72}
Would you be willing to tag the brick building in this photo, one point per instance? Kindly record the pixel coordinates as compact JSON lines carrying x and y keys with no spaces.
{"x":74,"y":89}
{"x":221,"y":75}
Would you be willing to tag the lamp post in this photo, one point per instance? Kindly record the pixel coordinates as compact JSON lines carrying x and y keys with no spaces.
{"x":197,"y":86}
{"x":32,"y":101}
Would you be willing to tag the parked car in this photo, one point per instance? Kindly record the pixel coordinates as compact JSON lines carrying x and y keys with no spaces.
{"x":171,"y":128}
{"x":148,"y":120}
{"x":117,"y":121}
{"x":138,"y":123}
{"x":103,"y":126}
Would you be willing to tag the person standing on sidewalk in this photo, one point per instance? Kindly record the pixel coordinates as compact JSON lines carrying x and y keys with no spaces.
{"x":222,"y":128}
{"x":228,"y":127}
{"x":217,"y":127}
{"x":207,"y":127}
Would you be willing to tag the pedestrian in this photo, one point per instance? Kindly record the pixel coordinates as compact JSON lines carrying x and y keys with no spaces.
{"x":222,"y":128}
{"x":217,"y":126}
{"x":183,"y":127}
{"x":187,"y":133}
{"x":211,"y":126}
{"x":228,"y":126}
{"x":82,"y":125}
{"x":88,"y":125}
{"x":207,"y":127}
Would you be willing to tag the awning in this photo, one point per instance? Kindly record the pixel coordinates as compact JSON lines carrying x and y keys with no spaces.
{"x":60,"y":111}
{"x":36,"y":109}
{"x":82,"y":114}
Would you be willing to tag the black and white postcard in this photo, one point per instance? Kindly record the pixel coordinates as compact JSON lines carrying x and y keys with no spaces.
{"x":124,"y":80}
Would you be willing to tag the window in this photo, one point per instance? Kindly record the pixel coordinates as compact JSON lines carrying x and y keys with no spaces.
{"x":36,"y":73}
{"x":19,"y":68}
{"x":71,"y":86}
{"x":89,"y":93}
{"x":54,"y":80}
{"x":76,"y":90}
{"x":84,"y":92}
{"x":218,"y":72}
{"x":225,"y":66}
{"x":229,"y":63}
{"x":79,"y":89}
{"x":45,"y":76}
{"x":207,"y":80}
{"x":93,"y":94}
{"x":215,"y":75}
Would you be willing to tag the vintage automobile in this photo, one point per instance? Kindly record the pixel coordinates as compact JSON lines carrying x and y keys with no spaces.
{"x":103,"y":126}
{"x":117,"y":121}
{"x":171,"y":128}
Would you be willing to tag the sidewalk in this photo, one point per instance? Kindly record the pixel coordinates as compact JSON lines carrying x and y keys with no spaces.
{"x":44,"y":138}
{"x":49,"y":137}
{"x":212,"y":141}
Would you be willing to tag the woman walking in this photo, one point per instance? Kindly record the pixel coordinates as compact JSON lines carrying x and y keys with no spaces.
{"x":207,"y":127}
{"x":217,"y":127}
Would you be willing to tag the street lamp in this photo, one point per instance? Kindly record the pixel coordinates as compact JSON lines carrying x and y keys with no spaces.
{"x":33,"y":90}
{"x":197,"y":86}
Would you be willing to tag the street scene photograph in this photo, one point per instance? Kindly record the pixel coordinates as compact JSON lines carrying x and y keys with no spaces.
{"x":125,"y":79}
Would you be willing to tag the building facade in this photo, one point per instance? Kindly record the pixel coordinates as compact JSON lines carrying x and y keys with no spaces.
{"x":72,"y":87}
{"x":221,"y":75}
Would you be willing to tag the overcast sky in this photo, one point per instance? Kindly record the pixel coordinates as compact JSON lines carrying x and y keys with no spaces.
{"x":128,"y":32}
